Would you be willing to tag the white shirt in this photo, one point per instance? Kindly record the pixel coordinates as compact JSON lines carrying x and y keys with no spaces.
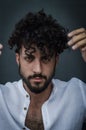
{"x":64,"y":110}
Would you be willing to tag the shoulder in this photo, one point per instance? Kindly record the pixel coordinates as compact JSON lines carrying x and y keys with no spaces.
{"x":9,"y":87}
{"x":74,"y":88}
{"x":72,"y":82}
{"x":10,"y":90}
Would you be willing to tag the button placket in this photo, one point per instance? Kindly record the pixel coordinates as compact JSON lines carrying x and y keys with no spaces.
{"x":45,"y":115}
{"x":25,"y":107}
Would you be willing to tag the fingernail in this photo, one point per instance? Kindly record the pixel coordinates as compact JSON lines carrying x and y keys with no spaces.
{"x":69,"y":43}
{"x":69,"y":34}
{"x":73,"y":47}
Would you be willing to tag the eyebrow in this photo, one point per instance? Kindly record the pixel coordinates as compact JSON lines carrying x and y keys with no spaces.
{"x":30,"y":51}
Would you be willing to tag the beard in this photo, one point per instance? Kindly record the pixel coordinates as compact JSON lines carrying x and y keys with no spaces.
{"x":37,"y":87}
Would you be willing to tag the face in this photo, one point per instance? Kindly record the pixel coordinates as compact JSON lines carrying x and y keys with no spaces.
{"x":35,"y":69}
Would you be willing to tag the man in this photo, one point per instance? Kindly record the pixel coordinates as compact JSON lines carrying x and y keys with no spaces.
{"x":39,"y":102}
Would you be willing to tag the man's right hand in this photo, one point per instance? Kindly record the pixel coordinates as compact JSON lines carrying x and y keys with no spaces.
{"x":1,"y":47}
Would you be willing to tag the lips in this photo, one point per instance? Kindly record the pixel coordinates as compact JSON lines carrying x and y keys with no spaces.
{"x":37,"y":79}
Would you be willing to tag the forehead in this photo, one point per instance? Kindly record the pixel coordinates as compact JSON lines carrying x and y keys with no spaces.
{"x":34,"y":49}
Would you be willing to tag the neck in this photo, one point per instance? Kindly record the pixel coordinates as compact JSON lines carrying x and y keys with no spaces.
{"x":41,"y":97}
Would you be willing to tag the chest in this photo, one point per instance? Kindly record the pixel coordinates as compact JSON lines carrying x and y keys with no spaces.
{"x":34,"y":119}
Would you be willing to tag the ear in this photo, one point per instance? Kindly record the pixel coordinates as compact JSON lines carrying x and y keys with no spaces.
{"x":17,"y":58}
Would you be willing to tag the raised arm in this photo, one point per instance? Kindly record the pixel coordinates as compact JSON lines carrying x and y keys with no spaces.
{"x":78,"y":40}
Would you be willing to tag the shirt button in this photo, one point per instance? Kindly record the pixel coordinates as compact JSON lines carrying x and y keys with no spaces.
{"x":24,"y":128}
{"x":27,"y":96}
{"x":25,"y":108}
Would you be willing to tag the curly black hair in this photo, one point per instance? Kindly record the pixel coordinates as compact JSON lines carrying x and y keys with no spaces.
{"x":41,"y":30}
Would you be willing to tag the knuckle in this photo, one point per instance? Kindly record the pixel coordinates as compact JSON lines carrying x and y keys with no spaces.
{"x":83,"y":34}
{"x":78,"y":44}
{"x":73,"y":39}
{"x":83,"y":29}
{"x":85,"y":40}
{"x":80,"y":30}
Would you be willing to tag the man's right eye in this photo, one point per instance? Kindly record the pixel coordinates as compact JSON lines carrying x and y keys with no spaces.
{"x":29,"y":58}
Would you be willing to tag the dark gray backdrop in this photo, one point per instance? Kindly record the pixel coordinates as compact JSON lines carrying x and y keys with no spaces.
{"x":71,"y":14}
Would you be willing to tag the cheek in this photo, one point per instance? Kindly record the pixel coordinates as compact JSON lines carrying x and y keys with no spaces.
{"x":25,"y":69}
{"x":49,"y":69}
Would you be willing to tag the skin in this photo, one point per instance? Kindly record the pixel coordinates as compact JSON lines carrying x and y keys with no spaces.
{"x":77,"y":41}
{"x":39,"y":66}
{"x":1,"y":47}
{"x":36,"y":65}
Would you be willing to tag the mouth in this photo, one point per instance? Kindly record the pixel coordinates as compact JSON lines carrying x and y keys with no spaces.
{"x":37,"y":79}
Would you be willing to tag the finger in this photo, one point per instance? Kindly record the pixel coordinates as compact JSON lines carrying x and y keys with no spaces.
{"x":1,"y":46}
{"x":77,"y":38}
{"x":83,"y":48}
{"x":0,"y":52}
{"x":83,"y":52}
{"x":76,"y":32}
{"x":80,"y":44}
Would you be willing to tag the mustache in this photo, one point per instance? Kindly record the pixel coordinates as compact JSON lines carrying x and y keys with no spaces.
{"x":37,"y":75}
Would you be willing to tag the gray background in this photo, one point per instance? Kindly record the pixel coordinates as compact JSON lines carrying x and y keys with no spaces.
{"x":71,"y":14}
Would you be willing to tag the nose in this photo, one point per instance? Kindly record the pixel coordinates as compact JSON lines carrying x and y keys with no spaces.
{"x":37,"y":67}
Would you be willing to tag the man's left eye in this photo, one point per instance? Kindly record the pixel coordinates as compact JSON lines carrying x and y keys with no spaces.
{"x":45,"y":59}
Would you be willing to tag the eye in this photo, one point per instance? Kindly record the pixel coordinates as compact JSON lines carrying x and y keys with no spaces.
{"x":45,"y":59}
{"x":29,"y":58}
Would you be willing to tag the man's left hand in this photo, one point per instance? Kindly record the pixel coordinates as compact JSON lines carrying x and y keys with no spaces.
{"x":78,"y":41}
